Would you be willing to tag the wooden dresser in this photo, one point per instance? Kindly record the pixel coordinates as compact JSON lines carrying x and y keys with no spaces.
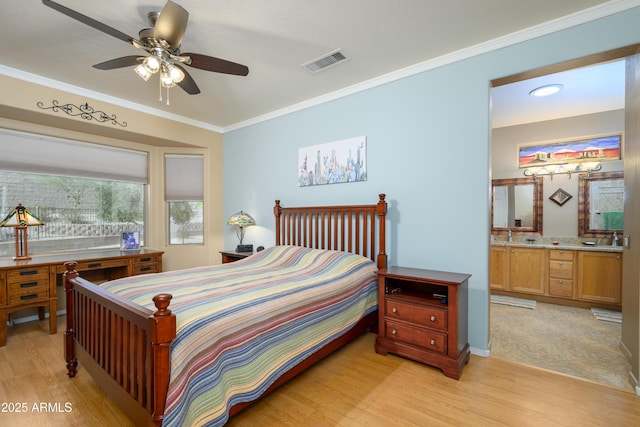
{"x":422,"y":315}
{"x":33,"y":283}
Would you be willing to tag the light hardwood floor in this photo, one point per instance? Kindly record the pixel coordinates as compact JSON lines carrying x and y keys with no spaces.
{"x":353,"y":387}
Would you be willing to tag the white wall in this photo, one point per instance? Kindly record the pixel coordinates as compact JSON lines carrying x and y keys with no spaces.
{"x":428,"y":149}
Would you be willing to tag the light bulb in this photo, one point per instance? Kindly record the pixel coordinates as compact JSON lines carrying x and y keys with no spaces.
{"x":175,"y":73}
{"x":166,"y":80}
{"x":143,"y":72}
{"x":151,"y":63}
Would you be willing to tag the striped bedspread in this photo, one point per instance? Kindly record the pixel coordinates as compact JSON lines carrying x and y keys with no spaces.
{"x":241,"y":325}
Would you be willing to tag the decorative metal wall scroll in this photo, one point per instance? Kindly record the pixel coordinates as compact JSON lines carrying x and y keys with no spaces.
{"x":85,"y":111}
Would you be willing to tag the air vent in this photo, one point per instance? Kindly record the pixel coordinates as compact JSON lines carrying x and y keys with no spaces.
{"x":325,"y":61}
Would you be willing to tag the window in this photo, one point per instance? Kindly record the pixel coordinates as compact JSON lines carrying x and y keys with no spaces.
{"x":184,"y":194}
{"x":87,"y":195}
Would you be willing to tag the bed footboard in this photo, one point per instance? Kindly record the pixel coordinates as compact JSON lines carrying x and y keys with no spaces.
{"x":123,"y":345}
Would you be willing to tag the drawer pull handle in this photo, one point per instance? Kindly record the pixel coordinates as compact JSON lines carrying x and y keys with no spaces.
{"x":145,"y":268}
{"x":394,"y":332}
{"x":433,"y":342}
{"x":28,"y":284}
{"x":561,"y":282}
{"x":145,"y":259}
{"x":28,"y":272}
{"x":433,"y":318}
{"x":28,"y":296}
{"x":95,"y":265}
{"x":394,"y":310}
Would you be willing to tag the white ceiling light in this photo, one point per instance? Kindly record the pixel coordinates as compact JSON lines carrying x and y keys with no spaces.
{"x":546,"y":90}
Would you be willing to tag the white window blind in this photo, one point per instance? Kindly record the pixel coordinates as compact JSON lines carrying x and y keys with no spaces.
{"x":31,"y":153}
{"x":184,"y":177}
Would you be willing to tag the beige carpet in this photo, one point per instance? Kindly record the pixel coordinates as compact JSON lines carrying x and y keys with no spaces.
{"x":563,"y":339}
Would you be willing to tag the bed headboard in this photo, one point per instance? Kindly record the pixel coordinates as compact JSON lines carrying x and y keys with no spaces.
{"x":356,"y":229}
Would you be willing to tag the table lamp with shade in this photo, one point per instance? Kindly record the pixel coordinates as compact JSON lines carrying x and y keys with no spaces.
{"x":241,"y":220}
{"x":20,"y":218}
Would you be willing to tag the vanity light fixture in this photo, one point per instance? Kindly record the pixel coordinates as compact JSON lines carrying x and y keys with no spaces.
{"x":563,"y":168}
{"x":546,"y":90}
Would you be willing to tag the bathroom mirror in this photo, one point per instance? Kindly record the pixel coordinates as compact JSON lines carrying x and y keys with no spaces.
{"x":600,"y":204}
{"x":516,"y":205}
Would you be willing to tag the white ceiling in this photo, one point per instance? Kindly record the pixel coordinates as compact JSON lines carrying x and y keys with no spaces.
{"x":382,"y":39}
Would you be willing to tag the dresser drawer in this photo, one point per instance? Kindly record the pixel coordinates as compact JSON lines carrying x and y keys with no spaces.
{"x":146,"y":267}
{"x":27,"y":292}
{"x":561,"y":269}
{"x":415,"y":313}
{"x":421,"y":337}
{"x":28,"y":274}
{"x":561,"y":288}
{"x":561,"y":255}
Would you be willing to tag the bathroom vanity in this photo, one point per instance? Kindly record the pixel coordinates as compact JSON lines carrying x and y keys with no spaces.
{"x":577,"y":275}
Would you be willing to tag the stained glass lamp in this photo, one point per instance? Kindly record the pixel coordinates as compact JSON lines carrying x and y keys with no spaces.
{"x":241,"y":220}
{"x":21,"y":218}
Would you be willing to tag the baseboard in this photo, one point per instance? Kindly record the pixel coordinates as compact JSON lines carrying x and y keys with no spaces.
{"x":479,"y":352}
{"x":35,"y":317}
{"x":632,"y":378}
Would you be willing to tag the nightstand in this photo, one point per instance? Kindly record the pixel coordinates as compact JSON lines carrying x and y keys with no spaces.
{"x":231,"y":256}
{"x":422,"y":315}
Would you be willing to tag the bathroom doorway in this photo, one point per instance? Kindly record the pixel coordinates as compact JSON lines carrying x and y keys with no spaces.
{"x":510,"y":123}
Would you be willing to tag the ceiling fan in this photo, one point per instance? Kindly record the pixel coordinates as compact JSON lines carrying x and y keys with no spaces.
{"x":162,"y":44}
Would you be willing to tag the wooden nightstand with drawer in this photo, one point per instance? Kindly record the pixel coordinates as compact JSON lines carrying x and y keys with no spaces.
{"x":24,"y":287}
{"x":422,"y":315}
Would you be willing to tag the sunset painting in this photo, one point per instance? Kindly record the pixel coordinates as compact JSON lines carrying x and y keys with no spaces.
{"x":598,"y":149}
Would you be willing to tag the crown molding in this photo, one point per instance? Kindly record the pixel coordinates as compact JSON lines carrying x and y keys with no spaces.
{"x":565,"y":22}
{"x":98,"y":96}
{"x":549,"y":27}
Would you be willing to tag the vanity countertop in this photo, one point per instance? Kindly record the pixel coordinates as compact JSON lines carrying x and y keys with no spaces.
{"x":565,"y":246}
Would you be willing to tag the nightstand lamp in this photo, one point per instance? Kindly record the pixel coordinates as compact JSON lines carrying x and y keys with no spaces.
{"x":21,"y":218}
{"x":241,"y":220}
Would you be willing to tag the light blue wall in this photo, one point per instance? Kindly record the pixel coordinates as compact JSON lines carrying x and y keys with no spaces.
{"x":427,"y":148}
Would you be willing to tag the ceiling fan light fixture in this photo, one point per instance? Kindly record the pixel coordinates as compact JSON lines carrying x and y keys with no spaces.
{"x":142,"y":71}
{"x":175,"y":73}
{"x":166,"y":80}
{"x":152,"y":64}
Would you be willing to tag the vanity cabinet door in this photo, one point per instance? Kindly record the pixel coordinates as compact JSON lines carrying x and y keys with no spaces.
{"x":527,"y":271}
{"x":499,"y":268}
{"x":600,"y":276}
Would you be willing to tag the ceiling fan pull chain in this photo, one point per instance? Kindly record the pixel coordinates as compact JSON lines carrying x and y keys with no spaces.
{"x":160,"y":90}
{"x":168,"y":96}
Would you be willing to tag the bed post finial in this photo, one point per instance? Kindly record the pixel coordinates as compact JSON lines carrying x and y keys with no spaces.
{"x":381,"y":208}
{"x":277,"y":210}
{"x":70,"y":333}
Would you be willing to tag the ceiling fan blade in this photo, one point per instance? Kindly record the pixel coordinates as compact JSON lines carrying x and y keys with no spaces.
{"x":125,"y":61}
{"x":171,"y":24}
{"x":88,"y":21}
{"x":216,"y":65}
{"x":188,"y":84}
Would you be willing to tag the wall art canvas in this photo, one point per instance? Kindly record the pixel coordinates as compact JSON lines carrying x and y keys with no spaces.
{"x":333,"y":162}
{"x":598,"y":149}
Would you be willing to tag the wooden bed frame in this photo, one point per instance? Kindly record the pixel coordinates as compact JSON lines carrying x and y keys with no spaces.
{"x":125,"y":346}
